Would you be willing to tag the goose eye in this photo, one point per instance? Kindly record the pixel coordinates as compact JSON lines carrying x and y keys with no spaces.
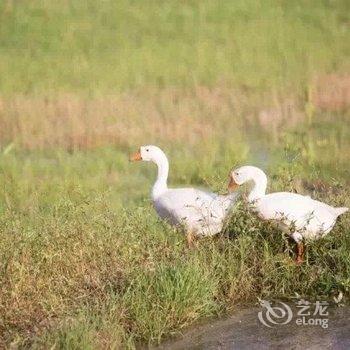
{"x":147,"y":150}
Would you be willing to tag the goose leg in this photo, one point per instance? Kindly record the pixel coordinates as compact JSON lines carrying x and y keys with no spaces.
{"x":190,"y":239}
{"x":300,"y":253}
{"x":300,"y":250}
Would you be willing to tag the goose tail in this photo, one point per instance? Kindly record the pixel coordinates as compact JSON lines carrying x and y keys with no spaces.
{"x":341,"y":210}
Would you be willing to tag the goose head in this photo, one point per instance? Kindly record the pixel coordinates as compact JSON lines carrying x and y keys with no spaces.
{"x":148,"y":153}
{"x":156,"y":155}
{"x":245,"y":174}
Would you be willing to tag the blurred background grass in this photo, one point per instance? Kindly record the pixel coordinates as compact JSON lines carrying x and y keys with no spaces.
{"x":85,"y":263}
{"x":103,"y":46}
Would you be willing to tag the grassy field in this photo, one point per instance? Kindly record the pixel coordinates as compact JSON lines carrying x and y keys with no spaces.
{"x":85,"y":262}
{"x":99,"y":47}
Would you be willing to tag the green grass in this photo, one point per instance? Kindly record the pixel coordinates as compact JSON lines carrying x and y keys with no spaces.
{"x":85,"y":262}
{"x":98,"y":47}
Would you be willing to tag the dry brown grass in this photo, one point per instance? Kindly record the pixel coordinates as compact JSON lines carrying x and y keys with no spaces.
{"x":174,"y":115}
{"x":331,"y":92}
{"x":74,"y":122}
{"x":70,"y":121}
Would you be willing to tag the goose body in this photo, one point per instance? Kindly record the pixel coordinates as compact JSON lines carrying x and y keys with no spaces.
{"x":310,"y":218}
{"x":300,"y":216}
{"x":201,"y":213}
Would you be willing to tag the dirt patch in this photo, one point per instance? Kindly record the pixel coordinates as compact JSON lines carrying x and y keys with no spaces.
{"x":244,"y":331}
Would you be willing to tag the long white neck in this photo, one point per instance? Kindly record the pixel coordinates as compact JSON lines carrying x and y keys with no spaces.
{"x":160,"y":186}
{"x":260,"y":183}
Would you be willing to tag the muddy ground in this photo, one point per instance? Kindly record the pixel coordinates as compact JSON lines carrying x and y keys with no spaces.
{"x":243,"y":330}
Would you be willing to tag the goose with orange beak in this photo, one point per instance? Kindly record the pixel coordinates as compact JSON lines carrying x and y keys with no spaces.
{"x":198,"y":212}
{"x":300,"y":216}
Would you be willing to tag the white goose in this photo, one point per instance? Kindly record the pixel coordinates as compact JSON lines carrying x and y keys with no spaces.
{"x":299,"y":216}
{"x":200,"y":213}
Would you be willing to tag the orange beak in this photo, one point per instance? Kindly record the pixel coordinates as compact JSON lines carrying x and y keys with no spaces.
{"x":232,"y":185}
{"x":135,"y":157}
